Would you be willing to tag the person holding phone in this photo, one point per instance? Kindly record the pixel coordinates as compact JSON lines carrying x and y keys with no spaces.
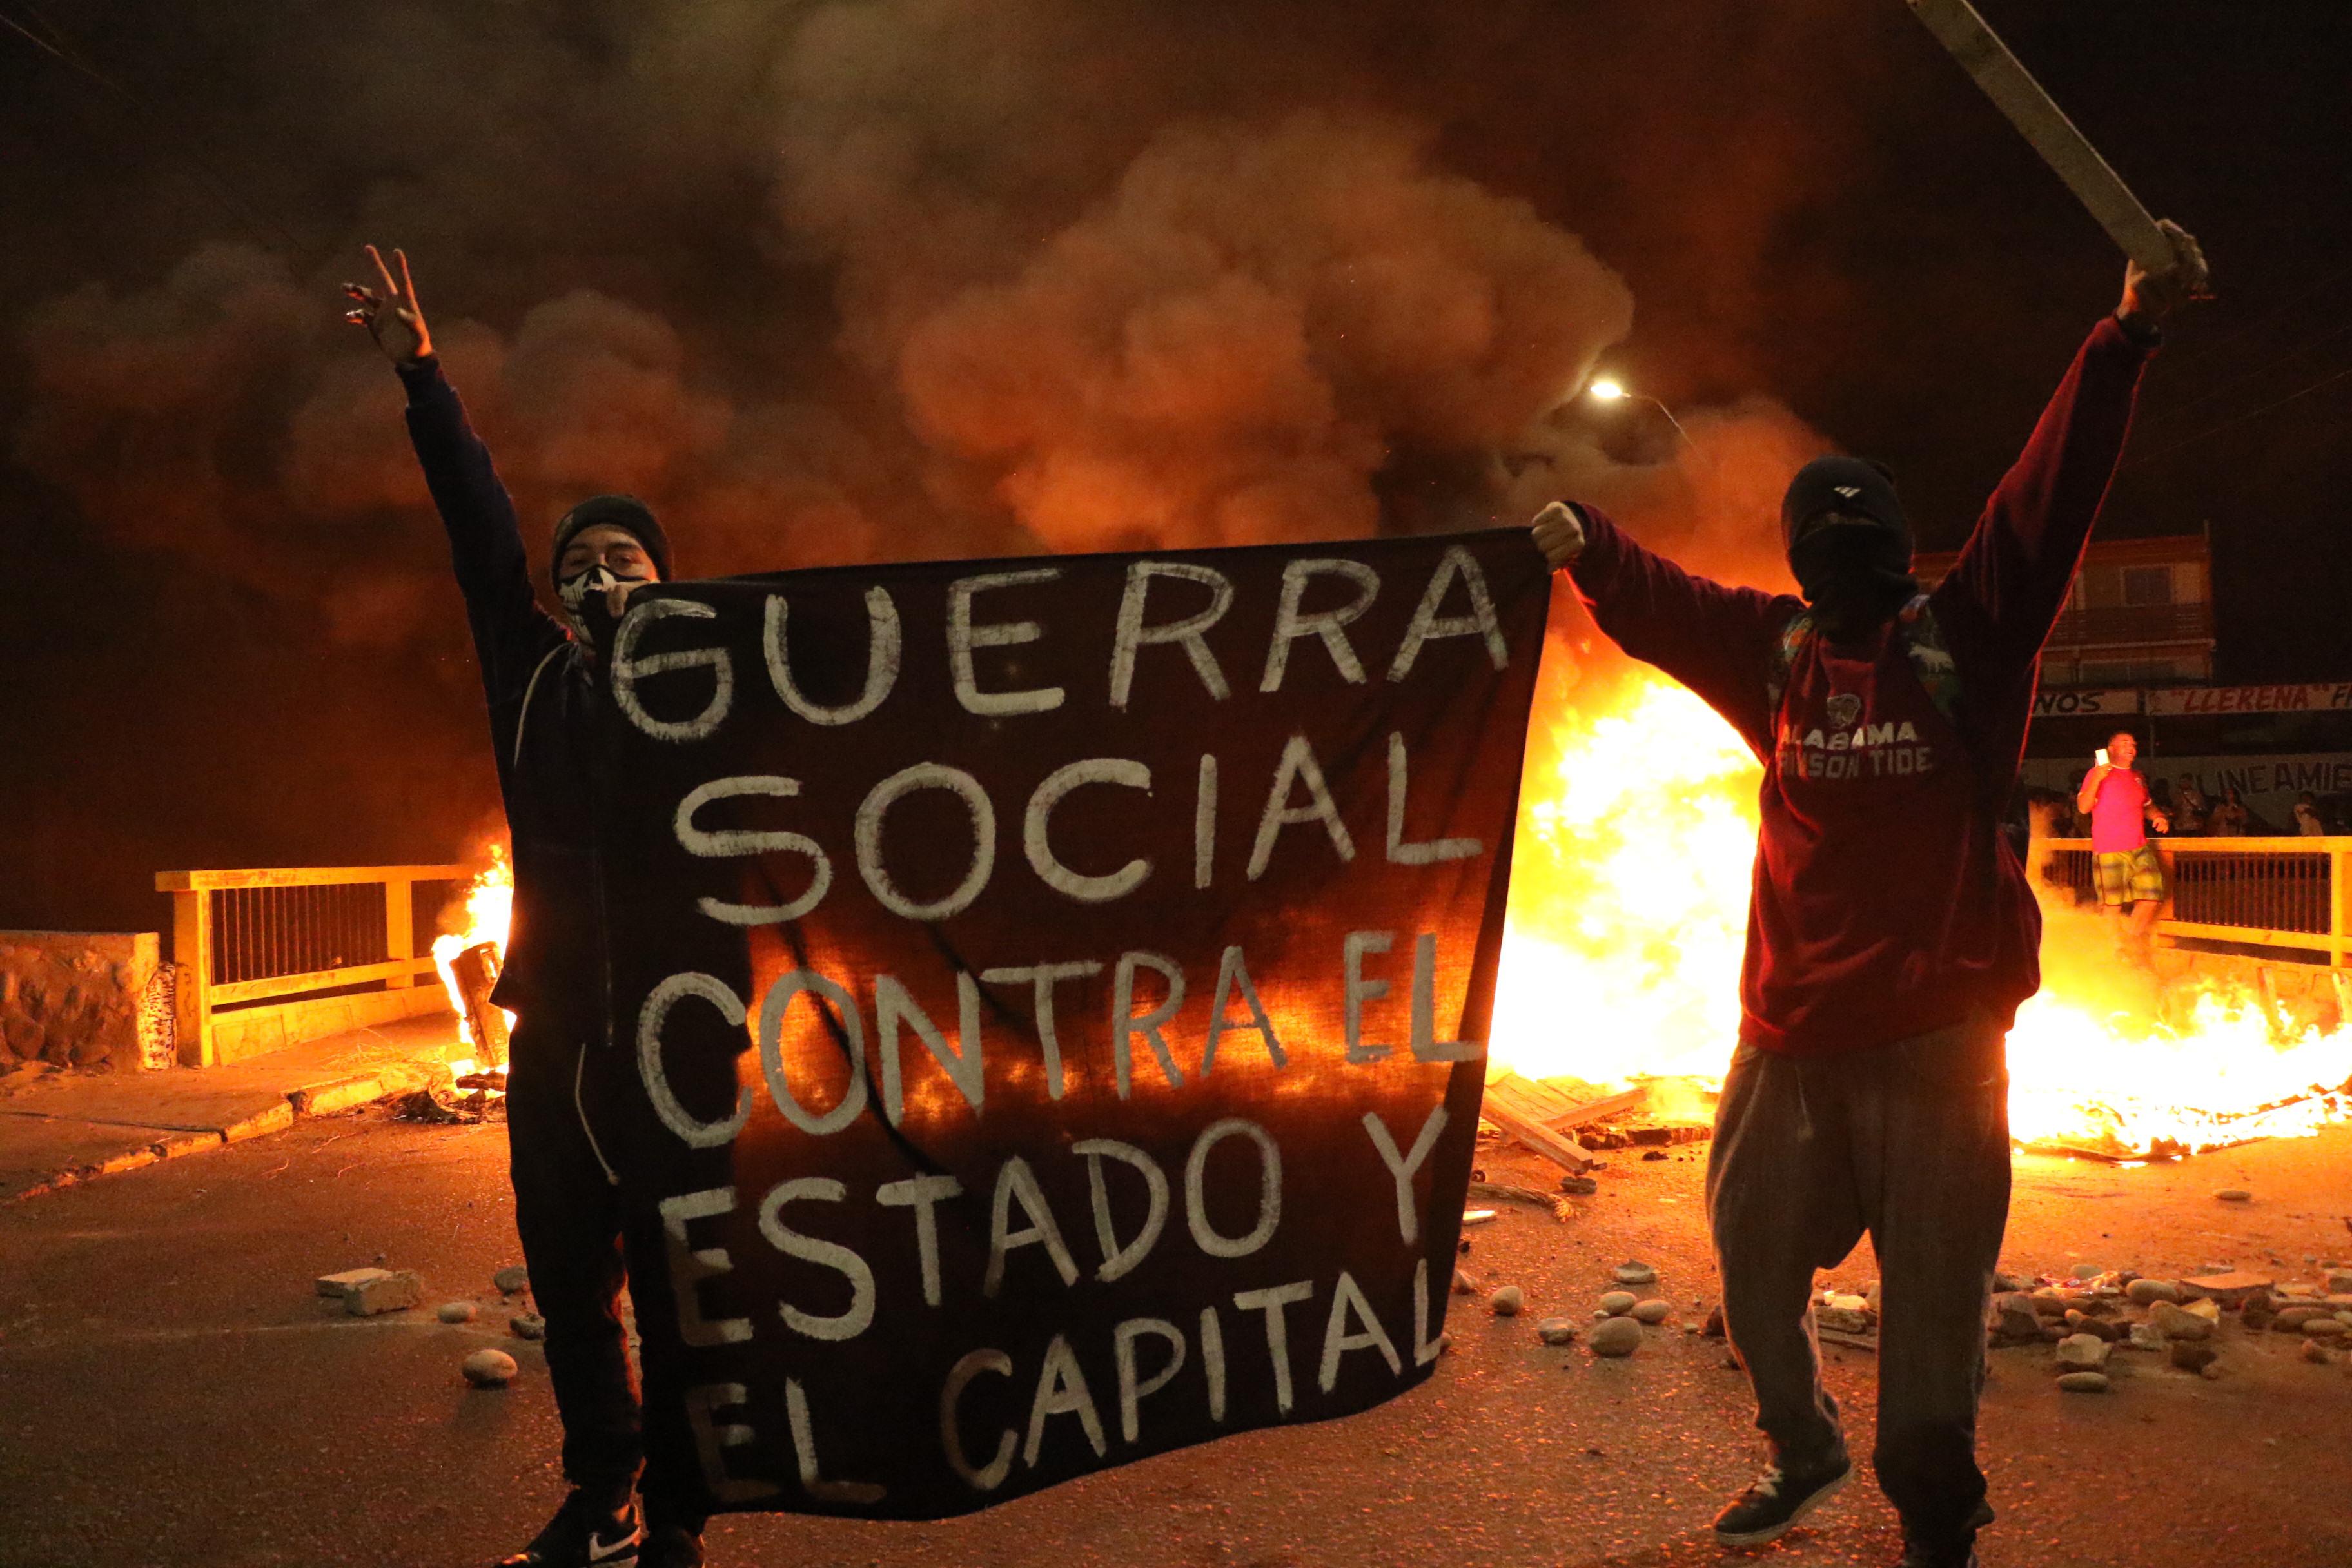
{"x":2129,"y":874}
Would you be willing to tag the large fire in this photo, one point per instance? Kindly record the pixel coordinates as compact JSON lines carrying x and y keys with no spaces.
{"x":1629,"y":912}
{"x":488,"y":912}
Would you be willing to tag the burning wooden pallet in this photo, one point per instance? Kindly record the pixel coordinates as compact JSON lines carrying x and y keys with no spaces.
{"x":1544,"y":1116}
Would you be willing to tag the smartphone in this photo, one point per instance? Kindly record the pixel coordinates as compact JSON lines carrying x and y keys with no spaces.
{"x":2101,"y":754}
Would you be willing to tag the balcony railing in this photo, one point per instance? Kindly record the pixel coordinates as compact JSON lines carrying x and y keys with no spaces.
{"x":270,"y":957}
{"x":2294,"y":893}
{"x":2133,"y":625}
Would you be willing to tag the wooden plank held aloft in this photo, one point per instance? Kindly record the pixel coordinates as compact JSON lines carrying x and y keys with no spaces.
{"x":477,"y":969}
{"x":2041,"y":122}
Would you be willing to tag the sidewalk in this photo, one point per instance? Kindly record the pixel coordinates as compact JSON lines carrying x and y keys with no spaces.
{"x":58,"y":1127}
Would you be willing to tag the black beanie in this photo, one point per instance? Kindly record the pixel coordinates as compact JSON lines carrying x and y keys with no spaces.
{"x":626,"y":513}
{"x":1853,"y":485}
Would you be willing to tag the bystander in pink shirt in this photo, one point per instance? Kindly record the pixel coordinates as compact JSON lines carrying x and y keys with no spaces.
{"x":2118,"y":813}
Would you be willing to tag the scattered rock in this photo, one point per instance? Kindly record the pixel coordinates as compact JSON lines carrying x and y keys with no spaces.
{"x":2210,"y":1372}
{"x":2007,"y":1282}
{"x":2014,"y":1319}
{"x":2083,"y":1382}
{"x":2326,"y":1328}
{"x":1477,"y":1216}
{"x":2189,"y":1355}
{"x":1617,"y":1303}
{"x":341,"y":1286}
{"x":2081,"y":1352}
{"x":2087,"y":1271}
{"x":1714,"y":1329}
{"x":2234,"y":1195}
{"x":455,"y":1311}
{"x":2144,"y":1337}
{"x":1634,"y":1271}
{"x":527,"y":1326}
{"x":2084,"y":1324}
{"x":2314,"y":1350}
{"x":1556,"y":1331}
{"x":1579,"y":1186}
{"x":1844,"y":1319}
{"x":2177,"y":1323}
{"x":2208,"y":1309}
{"x":2148,"y":1292}
{"x":1465,"y":1282}
{"x":1654,"y":1312}
{"x":2049,"y":1303}
{"x":2291,"y":1319}
{"x":488,"y":1369}
{"x":511,"y":1280}
{"x":2339,"y":1284}
{"x":391,"y":1293}
{"x":1507,"y":1302}
{"x":1615,"y":1337}
{"x":2053,"y":1332}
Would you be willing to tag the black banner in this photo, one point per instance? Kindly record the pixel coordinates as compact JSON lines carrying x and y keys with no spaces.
{"x":1048,"y":999}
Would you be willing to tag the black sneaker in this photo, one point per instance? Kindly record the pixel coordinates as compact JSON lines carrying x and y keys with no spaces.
{"x":586,"y":1532}
{"x":671,"y":1546}
{"x":1917,"y":1555}
{"x":1778,"y":1500}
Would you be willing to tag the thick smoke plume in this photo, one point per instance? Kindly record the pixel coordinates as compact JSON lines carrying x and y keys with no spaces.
{"x":835,"y":283}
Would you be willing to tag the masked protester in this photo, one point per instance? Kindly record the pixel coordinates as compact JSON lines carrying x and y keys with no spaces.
{"x":538,"y":675}
{"x":1892,"y":933}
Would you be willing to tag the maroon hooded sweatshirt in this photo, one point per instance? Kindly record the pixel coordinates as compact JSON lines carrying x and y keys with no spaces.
{"x":1886,"y":903}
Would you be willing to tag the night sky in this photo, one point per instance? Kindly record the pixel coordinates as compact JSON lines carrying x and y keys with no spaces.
{"x":897,"y":279}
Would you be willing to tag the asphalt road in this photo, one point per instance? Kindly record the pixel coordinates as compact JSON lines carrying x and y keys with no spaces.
{"x":172,"y":1394}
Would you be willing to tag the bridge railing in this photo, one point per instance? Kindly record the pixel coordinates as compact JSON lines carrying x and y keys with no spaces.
{"x":2294,"y":893}
{"x":273,"y":956}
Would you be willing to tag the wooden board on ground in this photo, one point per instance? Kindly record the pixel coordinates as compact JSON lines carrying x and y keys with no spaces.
{"x":1538,"y":1115}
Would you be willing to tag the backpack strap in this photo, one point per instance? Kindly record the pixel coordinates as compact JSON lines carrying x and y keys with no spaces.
{"x":1931,"y":660}
{"x":1922,"y":644}
{"x":1785,"y":648}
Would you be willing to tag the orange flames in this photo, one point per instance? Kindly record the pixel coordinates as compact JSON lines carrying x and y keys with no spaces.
{"x":1629,"y":912}
{"x":488,"y":911}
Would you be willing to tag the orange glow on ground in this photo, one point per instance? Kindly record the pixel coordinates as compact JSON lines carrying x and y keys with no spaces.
{"x":1629,"y":914}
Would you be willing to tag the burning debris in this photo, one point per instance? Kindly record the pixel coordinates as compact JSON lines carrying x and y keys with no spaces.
{"x":1629,"y":912}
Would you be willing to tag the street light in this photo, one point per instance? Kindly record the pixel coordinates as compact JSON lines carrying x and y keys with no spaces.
{"x":1606,"y":391}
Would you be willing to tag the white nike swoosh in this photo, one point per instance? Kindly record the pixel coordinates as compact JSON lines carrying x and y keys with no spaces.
{"x":598,"y":1551}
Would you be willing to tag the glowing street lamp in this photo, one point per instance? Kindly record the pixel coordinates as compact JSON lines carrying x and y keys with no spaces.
{"x":1606,"y":391}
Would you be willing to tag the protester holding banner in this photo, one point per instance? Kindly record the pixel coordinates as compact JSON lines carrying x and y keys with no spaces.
{"x":539,"y":676}
{"x":1892,"y":933}
{"x":2129,"y":874}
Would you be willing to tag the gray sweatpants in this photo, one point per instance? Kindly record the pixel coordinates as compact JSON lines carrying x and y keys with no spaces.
{"x":1910,"y":1142}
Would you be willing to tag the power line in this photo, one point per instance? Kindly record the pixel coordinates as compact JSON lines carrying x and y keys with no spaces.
{"x":58,"y":46}
{"x":2236,"y":419}
{"x":2211,"y":394}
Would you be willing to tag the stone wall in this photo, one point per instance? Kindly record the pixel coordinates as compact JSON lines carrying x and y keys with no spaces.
{"x":72,"y":998}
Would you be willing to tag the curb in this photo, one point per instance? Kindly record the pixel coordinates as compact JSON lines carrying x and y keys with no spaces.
{"x":322,"y":1099}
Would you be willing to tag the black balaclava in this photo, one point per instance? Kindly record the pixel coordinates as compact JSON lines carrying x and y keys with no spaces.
{"x":1855,"y":572}
{"x":583,"y":593}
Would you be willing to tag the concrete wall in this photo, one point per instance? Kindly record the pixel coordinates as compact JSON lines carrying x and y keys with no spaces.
{"x":72,"y":997}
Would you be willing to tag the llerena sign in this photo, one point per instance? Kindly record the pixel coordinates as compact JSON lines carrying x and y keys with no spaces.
{"x":2319,"y":698}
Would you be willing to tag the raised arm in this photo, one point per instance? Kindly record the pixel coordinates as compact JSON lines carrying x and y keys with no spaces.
{"x":511,"y":633}
{"x":1715,"y":639}
{"x":2004,"y":593}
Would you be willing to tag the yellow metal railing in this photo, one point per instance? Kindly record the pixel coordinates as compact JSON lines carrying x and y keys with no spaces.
{"x":254,"y":948}
{"x":2292,"y":893}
